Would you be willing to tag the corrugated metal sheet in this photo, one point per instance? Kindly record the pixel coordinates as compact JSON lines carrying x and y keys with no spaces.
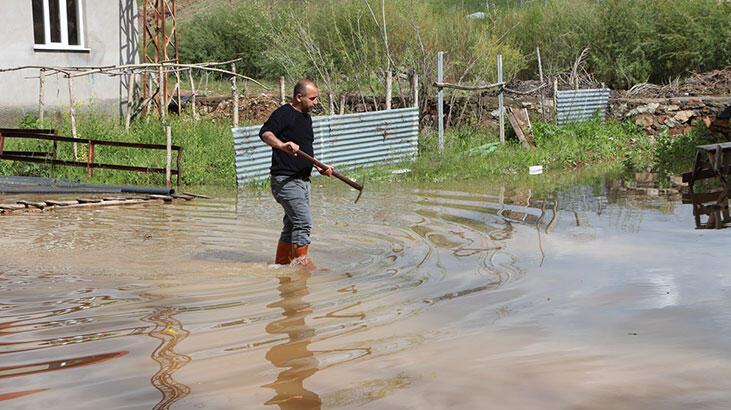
{"x":581,"y":105}
{"x":340,"y":140}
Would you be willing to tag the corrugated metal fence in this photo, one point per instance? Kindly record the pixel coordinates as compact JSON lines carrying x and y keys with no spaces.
{"x":581,"y":105}
{"x":340,"y":140}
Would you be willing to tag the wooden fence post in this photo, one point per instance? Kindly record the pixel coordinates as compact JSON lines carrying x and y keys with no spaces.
{"x":235,"y":96}
{"x":543,"y":90}
{"x":130,"y":99}
{"x":415,"y":88}
{"x":440,"y":100}
{"x":162,"y":93}
{"x":72,"y":113}
{"x":193,"y":96}
{"x":282,"y":92}
{"x":389,"y":88}
{"x":169,"y":157}
{"x":42,"y":79}
{"x":501,"y":98}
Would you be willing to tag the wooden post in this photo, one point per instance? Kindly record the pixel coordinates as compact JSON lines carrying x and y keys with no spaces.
{"x":555,"y":97}
{"x":501,"y":98}
{"x":149,"y":98}
{"x":42,"y":79}
{"x":180,"y":165}
{"x":90,"y":160}
{"x":177,"y":86}
{"x":543,"y":93}
{"x":169,"y":157}
{"x":331,"y":99}
{"x":130,"y":99}
{"x":342,"y":104}
{"x":235,"y":96}
{"x":415,"y":89}
{"x":389,"y":88}
{"x":72,"y":113}
{"x":192,"y":97}
{"x":162,"y":93}
{"x":282,"y":92}
{"x":440,"y":100}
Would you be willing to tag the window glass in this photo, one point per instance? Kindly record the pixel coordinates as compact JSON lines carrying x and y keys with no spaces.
{"x":39,"y":34}
{"x":53,"y":12}
{"x":72,"y":15}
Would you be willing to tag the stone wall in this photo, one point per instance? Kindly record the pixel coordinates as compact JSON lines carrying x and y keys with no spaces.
{"x":679,"y":115}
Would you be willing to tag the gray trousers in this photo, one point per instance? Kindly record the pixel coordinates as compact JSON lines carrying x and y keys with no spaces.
{"x":293,"y":194}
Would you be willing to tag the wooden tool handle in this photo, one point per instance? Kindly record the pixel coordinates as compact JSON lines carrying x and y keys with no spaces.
{"x":336,"y":174}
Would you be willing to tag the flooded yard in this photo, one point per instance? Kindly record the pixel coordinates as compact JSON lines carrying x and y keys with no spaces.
{"x":472,"y":296}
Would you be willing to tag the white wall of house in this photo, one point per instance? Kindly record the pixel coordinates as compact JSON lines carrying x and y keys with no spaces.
{"x":109,"y":37}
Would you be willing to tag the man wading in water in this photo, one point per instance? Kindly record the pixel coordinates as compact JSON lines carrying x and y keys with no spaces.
{"x":289,"y":130}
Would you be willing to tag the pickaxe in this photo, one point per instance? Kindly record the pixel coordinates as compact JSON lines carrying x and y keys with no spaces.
{"x":336,"y":174}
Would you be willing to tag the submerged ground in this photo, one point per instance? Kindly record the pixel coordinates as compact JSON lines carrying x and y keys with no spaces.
{"x":471,"y":296}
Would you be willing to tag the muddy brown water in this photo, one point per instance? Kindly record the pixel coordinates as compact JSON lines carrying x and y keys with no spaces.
{"x":465,"y":297}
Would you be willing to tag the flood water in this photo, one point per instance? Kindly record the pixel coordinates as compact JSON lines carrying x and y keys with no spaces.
{"x":470,"y":297}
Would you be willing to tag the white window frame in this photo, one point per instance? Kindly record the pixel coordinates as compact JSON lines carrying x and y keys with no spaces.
{"x":63,"y":45}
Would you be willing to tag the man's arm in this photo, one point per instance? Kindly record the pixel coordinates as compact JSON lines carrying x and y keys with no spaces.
{"x":291,"y":148}
{"x":270,"y":139}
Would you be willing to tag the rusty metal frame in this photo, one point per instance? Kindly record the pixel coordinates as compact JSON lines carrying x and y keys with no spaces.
{"x":50,"y":158}
{"x":155,"y":37}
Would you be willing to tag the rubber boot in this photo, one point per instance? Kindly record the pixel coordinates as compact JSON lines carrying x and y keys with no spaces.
{"x":285,"y":253}
{"x":300,"y":257}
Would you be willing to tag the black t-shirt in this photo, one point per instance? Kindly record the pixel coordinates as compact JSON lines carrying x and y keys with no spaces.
{"x":288,"y":125}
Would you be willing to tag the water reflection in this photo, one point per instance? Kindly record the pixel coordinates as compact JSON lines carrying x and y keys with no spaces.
{"x":293,"y":355}
{"x":170,"y":332}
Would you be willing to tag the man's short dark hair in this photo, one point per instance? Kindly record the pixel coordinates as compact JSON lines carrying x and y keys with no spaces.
{"x":301,"y":86}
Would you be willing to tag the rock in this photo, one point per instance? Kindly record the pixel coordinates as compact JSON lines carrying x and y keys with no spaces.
{"x":495,"y":114}
{"x":12,"y":207}
{"x":525,"y":104}
{"x":645,"y":177}
{"x":649,"y":108}
{"x":684,"y":116}
{"x":644,"y":120}
{"x":672,"y":107}
{"x":695,"y":103}
{"x":653,"y":191}
{"x":669,"y":122}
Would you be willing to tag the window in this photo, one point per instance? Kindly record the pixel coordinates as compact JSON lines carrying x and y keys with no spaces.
{"x":57,"y":25}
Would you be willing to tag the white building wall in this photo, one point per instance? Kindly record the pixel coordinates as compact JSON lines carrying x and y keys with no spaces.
{"x":109,"y":34}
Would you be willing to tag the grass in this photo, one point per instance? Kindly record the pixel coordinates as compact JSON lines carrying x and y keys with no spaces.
{"x":207,"y":157}
{"x":469,"y":154}
{"x":476,"y":153}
